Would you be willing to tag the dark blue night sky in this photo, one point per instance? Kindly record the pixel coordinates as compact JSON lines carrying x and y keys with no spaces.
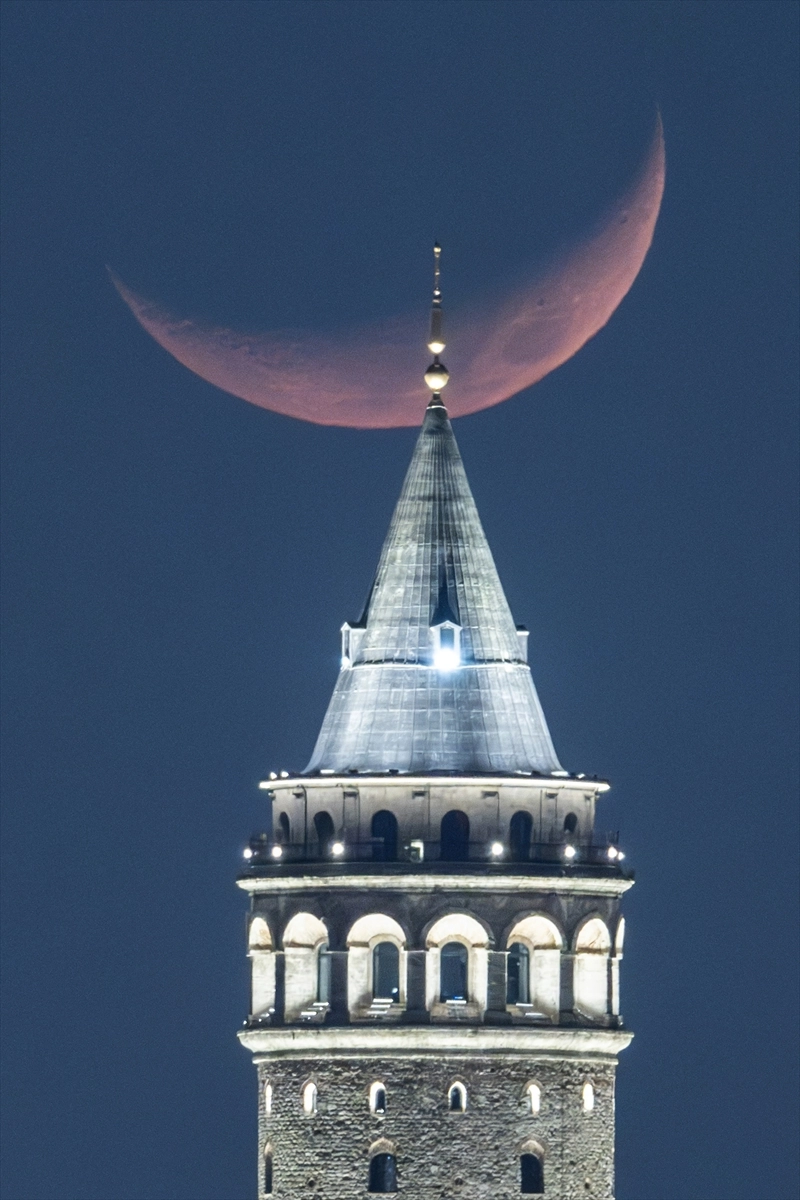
{"x":177,"y":562}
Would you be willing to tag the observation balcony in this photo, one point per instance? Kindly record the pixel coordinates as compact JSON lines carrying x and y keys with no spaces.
{"x":266,"y":856}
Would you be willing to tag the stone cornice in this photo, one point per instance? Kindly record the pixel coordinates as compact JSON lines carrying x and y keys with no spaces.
{"x":425,"y":882}
{"x":420,"y":1041}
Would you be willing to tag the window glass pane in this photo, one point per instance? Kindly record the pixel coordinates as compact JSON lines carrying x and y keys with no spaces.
{"x":453,"y":967}
{"x":324,"y":975}
{"x":518,"y":991}
{"x":386,"y":971}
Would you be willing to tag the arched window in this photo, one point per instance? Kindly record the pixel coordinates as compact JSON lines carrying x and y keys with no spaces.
{"x":268,"y":1099}
{"x":384,"y":827}
{"x":310,"y":1099}
{"x":587,"y":1095}
{"x":383,"y":1173}
{"x":454,"y":962}
{"x":454,"y":837}
{"x":377,"y":1099}
{"x":324,"y":974}
{"x":323,"y":825}
{"x":519,"y":974}
{"x":457,"y":1098}
{"x":303,"y":939}
{"x":519,"y":836}
{"x":268,"y":1170}
{"x":534,"y":1098}
{"x":284,"y":828}
{"x":386,"y":971}
{"x":570,"y":823}
{"x":531,"y":1173}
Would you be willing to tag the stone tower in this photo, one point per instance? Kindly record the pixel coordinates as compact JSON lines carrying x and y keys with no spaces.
{"x":434,"y":923}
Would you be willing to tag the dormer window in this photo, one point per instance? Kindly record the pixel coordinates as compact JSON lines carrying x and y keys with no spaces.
{"x":446,"y":646}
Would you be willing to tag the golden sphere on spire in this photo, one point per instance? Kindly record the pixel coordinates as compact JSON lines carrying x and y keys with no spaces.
{"x":437,"y":375}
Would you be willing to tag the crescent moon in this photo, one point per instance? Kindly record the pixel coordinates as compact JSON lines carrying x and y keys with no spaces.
{"x":372,"y":378}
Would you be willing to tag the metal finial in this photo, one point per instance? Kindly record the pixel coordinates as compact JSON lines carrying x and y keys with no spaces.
{"x":437,"y":375}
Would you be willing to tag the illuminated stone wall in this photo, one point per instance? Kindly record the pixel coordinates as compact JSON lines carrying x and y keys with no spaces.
{"x":441,"y":1155}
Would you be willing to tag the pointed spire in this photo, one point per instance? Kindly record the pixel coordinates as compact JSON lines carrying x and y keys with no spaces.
{"x":396,"y":705}
{"x":437,"y":376}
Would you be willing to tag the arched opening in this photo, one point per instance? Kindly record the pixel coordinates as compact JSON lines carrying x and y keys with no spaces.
{"x":323,"y":826}
{"x":591,"y":976}
{"x":457,"y":1098}
{"x":377,"y":1099}
{"x":454,"y":963}
{"x":519,"y":836}
{"x":519,"y":974}
{"x":534,"y":1098}
{"x":310,"y":1099}
{"x":259,"y":936}
{"x":267,"y":1170}
{"x":304,"y":937}
{"x":268,"y":1099}
{"x":384,"y":827}
{"x":531,"y":1172}
{"x":587,"y":1095}
{"x":383,"y":1173}
{"x":570,"y":823}
{"x":324,"y":974}
{"x":454,"y":837}
{"x":540,"y":972}
{"x":284,"y":828}
{"x":386,"y":972}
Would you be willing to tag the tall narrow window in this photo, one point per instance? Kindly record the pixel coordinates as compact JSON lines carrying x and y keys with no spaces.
{"x":268,"y":1170}
{"x":535,"y":1098}
{"x":457,"y":1098}
{"x":454,"y":961}
{"x":384,"y":833}
{"x":310,"y":1099}
{"x":383,"y":1173}
{"x":454,"y":837}
{"x":570,"y":823}
{"x":284,"y":828}
{"x":324,"y":974}
{"x":519,"y":975}
{"x":386,"y":971}
{"x":377,"y":1099}
{"x":323,"y":826}
{"x":268,"y":1099}
{"x":531,"y":1175}
{"x":519,"y":836}
{"x":588,"y":1097}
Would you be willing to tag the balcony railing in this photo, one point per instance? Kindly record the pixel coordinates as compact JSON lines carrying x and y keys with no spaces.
{"x":264,"y":852}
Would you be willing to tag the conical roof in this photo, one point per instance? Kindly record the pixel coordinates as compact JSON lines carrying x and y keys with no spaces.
{"x":392,"y":709}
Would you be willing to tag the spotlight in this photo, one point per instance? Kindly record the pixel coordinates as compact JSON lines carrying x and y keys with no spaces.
{"x":570,"y":852}
{"x":337,"y":849}
{"x":277,"y":852}
{"x":612,"y":852}
{"x":248,"y":853}
{"x":497,"y":849}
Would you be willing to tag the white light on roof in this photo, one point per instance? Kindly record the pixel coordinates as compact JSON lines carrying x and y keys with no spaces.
{"x":446,"y":660}
{"x":620,"y":856}
{"x":272,"y":775}
{"x":277,"y":852}
{"x":497,"y":849}
{"x":336,"y":849}
{"x":284,"y":774}
{"x":248,"y":853}
{"x":612,"y":852}
{"x":570,"y":852}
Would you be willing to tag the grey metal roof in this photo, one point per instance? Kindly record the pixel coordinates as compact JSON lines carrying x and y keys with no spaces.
{"x":391,"y":708}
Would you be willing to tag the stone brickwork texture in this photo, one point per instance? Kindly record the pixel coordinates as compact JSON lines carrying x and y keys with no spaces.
{"x":441,"y":1155}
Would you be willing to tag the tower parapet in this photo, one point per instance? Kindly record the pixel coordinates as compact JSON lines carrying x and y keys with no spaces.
{"x":435,"y":927}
